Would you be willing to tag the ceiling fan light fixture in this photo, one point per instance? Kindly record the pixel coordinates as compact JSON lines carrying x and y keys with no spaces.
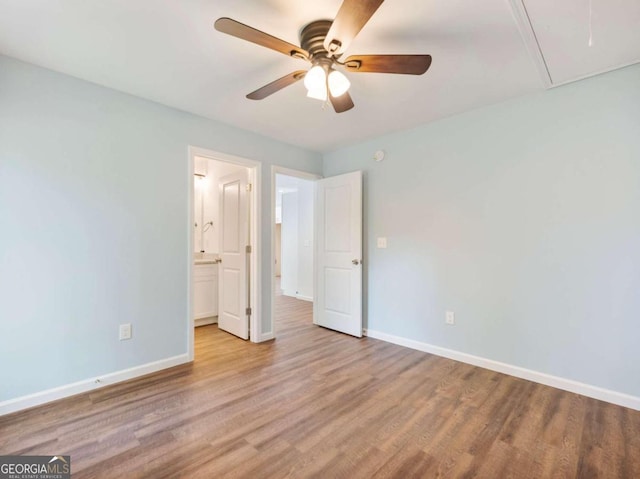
{"x":338,"y":83}
{"x":315,"y":78}
{"x":318,"y":93}
{"x":320,"y":46}
{"x":316,"y":83}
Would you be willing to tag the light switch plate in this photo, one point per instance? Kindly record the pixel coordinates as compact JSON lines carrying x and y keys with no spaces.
{"x":382,"y":242}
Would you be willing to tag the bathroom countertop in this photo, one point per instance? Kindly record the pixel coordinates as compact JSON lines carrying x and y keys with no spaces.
{"x":205,"y":261}
{"x":205,"y":258}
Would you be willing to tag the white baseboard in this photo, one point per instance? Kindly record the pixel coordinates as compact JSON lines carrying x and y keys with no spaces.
{"x":205,"y":321}
{"x":265,"y":337}
{"x":595,"y":392}
{"x":304,"y":298}
{"x":36,"y":399}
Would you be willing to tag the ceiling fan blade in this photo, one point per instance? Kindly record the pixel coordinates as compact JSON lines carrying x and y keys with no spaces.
{"x":352,"y":16}
{"x":274,"y":86}
{"x":341,"y":103}
{"x":406,"y":64}
{"x":245,"y":32}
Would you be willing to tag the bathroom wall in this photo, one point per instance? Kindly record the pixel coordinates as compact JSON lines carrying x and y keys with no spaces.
{"x":209,"y":188}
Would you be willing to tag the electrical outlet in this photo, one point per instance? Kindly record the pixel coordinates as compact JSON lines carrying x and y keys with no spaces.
{"x":382,"y":242}
{"x":450,"y":318}
{"x":125,"y":331}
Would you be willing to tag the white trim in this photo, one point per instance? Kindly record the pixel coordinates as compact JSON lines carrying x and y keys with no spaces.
{"x":60,"y":392}
{"x":205,"y":321}
{"x":280,"y":170}
{"x":528,"y":34}
{"x":255,"y":175}
{"x":294,"y":294}
{"x":596,"y":73}
{"x":521,"y":17}
{"x":267,"y":336}
{"x":588,"y":390}
{"x":256,"y":256}
{"x":190,"y":220}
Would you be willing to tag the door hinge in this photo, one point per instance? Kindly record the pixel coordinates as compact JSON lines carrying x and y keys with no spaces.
{"x":248,"y":249}
{"x":249,"y":187}
{"x":248,"y":311}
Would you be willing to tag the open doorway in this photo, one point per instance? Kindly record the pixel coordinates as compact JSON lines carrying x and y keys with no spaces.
{"x":293,"y":239}
{"x":224,"y":248}
{"x":336,"y":249}
{"x":294,"y":236}
{"x":221,"y":233}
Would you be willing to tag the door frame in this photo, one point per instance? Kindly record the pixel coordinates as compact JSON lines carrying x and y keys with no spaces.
{"x":280,"y":170}
{"x":255,"y":178}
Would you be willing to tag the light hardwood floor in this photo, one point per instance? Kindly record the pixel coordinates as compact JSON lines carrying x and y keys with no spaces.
{"x":316,"y":403}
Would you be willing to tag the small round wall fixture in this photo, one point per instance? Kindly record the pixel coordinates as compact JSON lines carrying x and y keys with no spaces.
{"x":378,"y":155}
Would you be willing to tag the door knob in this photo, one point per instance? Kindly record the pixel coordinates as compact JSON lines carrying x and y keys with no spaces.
{"x":355,"y":261}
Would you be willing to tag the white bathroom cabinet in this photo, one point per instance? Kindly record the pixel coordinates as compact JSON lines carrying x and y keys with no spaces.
{"x":205,"y":293}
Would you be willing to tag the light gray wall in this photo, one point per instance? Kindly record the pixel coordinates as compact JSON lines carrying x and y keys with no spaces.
{"x":93,"y":225}
{"x":524,"y":219}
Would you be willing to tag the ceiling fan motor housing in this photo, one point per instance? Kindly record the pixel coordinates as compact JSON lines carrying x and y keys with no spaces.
{"x":312,"y":40}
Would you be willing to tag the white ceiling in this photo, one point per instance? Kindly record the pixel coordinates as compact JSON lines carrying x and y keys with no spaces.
{"x":564,"y":30}
{"x":169,"y":52}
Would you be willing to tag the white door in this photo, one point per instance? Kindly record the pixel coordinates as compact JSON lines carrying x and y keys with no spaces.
{"x":233,"y":279}
{"x":339,"y":253}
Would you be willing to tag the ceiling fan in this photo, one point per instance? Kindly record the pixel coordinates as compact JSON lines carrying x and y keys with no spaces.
{"x":322,"y":43}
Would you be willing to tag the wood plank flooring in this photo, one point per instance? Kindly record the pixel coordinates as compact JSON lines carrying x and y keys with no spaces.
{"x":315,"y":403}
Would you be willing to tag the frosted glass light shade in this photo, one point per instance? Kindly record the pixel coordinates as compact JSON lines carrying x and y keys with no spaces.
{"x":315,"y":78}
{"x":316,"y":83}
{"x":318,"y":93}
{"x":338,"y":83}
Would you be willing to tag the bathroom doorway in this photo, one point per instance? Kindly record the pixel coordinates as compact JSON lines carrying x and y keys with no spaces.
{"x":224,"y":247}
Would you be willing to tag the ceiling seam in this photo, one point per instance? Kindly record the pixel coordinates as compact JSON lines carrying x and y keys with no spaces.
{"x":523,"y":20}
